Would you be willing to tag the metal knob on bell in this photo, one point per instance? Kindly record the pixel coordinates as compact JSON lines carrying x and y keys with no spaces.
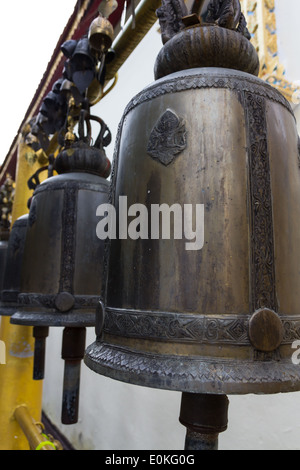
{"x":61,"y":276}
{"x":202,"y":292}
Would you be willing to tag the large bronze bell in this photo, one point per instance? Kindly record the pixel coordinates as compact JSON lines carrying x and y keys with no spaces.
{"x":61,"y":275}
{"x":216,"y":310}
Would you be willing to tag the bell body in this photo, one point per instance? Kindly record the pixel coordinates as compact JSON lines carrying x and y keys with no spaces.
{"x":61,"y":282}
{"x":3,"y":256}
{"x":220,"y":315}
{"x":12,"y":274}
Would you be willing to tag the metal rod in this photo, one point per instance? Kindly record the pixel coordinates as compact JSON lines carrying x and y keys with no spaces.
{"x":32,"y":430}
{"x":199,"y":441}
{"x":128,"y":39}
{"x":73,"y":348}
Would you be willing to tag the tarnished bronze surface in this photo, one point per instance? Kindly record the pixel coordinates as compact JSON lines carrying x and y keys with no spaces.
{"x":60,"y":251}
{"x":101,"y":34}
{"x":182,"y":320}
{"x":12,"y":268}
{"x":206,"y":414}
{"x":61,"y":276}
{"x":60,"y":279}
{"x":265,"y":330}
{"x":3,"y":257}
{"x":205,"y":417}
{"x":206,"y":46}
{"x":72,"y":353}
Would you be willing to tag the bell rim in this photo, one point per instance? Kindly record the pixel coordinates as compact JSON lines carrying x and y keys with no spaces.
{"x":8,"y":310}
{"x":72,"y":319}
{"x":42,"y":310}
{"x":211,"y":376}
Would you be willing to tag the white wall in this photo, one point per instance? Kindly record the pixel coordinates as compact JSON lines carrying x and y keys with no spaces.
{"x":114,"y":415}
{"x":287,"y":19}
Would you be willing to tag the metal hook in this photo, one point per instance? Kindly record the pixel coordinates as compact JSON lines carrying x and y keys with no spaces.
{"x":34,"y":180}
{"x":104,"y":137}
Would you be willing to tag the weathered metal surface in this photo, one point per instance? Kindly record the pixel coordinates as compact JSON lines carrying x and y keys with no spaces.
{"x":40,"y":333}
{"x":73,"y":347}
{"x":168,"y":138}
{"x":61,"y":275}
{"x":179,"y":319}
{"x":170,"y":16}
{"x":205,"y":417}
{"x":60,"y":252}
{"x":207,"y":414}
{"x":3,"y":257}
{"x":12,"y":272}
{"x":101,"y":34}
{"x":207,"y":46}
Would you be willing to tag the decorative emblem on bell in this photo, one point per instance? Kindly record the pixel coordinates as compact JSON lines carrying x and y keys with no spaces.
{"x":61,"y":274}
{"x":219,"y":319}
{"x":168,"y":138}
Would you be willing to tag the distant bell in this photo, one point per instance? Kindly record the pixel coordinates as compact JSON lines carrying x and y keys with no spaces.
{"x":3,"y":256}
{"x":101,"y":34}
{"x":61,"y":277}
{"x":12,"y":273}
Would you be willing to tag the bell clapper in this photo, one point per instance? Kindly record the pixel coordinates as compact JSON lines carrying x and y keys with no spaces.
{"x":73,"y":348}
{"x":40,"y":334}
{"x":205,"y":416}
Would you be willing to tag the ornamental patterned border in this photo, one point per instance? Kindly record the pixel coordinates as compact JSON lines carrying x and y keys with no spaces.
{"x":235,"y":81}
{"x":186,"y":373}
{"x":33,"y":300}
{"x":189,"y":328}
{"x":263,"y":291}
{"x":175,"y":327}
